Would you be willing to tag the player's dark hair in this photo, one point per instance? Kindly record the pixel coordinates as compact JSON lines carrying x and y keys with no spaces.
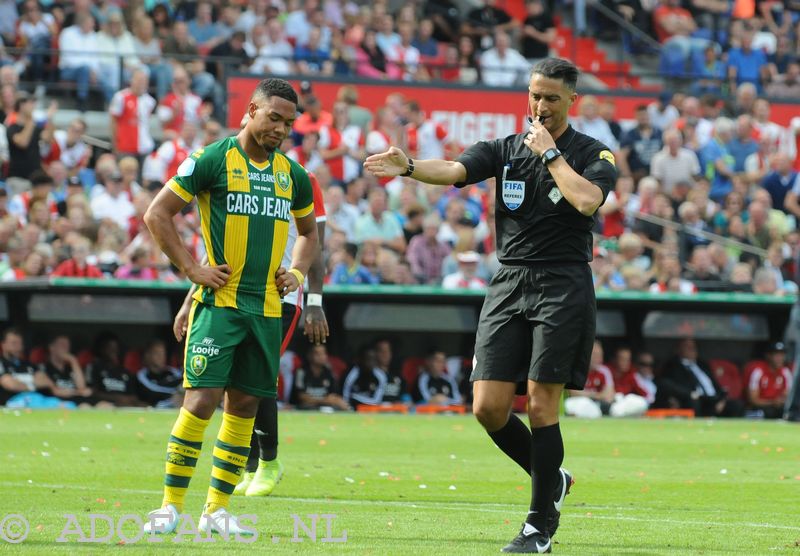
{"x":351,"y":249}
{"x":274,"y":87}
{"x":558,"y":68}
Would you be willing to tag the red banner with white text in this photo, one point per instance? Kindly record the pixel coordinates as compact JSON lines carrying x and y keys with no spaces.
{"x":469,"y":114}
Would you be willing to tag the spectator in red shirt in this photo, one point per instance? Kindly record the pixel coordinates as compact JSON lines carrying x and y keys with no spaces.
{"x":599,"y":384}
{"x":76,"y":266}
{"x":313,"y":118}
{"x":769,"y":383}
{"x":180,"y":105}
{"x":639,"y":380}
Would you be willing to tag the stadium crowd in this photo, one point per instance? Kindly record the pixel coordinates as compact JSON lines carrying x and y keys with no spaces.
{"x":707,"y":197}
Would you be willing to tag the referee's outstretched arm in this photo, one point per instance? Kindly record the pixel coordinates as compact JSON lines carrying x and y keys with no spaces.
{"x":395,"y":162}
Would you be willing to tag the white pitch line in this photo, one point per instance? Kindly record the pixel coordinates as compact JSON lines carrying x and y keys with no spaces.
{"x":453,"y":506}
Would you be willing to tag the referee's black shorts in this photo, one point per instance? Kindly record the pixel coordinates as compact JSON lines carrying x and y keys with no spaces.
{"x":537,"y":323}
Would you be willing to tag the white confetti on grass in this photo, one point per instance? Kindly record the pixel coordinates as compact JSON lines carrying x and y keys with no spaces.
{"x":84,"y":448}
{"x":423,"y":486}
{"x":451,"y":487}
{"x":383,"y":474}
{"x":723,"y":471}
{"x":349,"y":480}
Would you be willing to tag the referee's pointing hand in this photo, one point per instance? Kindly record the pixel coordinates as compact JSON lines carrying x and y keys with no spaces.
{"x":539,"y":139}
{"x":387,"y":164}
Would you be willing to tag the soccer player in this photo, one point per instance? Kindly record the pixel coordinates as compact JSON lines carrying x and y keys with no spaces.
{"x":537,"y":325}
{"x":247,"y":192}
{"x":263,"y":470}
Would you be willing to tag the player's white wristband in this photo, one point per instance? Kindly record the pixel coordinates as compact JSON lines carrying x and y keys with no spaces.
{"x":314,"y":300}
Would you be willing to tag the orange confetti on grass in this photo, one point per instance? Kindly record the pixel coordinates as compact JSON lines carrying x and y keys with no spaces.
{"x":767,"y":450}
{"x":141,"y":419}
{"x":362,"y":483}
{"x":782,"y":477}
{"x":289,"y":439}
{"x":101,"y":500}
{"x":323,"y":442}
{"x":640,"y":474}
{"x":797,"y":477}
{"x":588,"y":514}
{"x":117,"y":504}
{"x":615,"y":452}
{"x":519,"y":487}
{"x":506,"y":521}
{"x":780,"y":449}
{"x":645,"y":489}
{"x":417,"y":477}
{"x":40,"y":527}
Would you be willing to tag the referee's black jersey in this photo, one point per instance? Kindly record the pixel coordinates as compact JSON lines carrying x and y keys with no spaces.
{"x":535,"y":223}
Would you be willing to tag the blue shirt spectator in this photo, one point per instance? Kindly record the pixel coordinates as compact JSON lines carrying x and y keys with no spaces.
{"x":745,"y":64}
{"x":779,"y":184}
{"x":350,"y":271}
{"x":718,"y":161}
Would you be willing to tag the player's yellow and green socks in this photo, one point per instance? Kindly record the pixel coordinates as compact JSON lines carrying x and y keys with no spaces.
{"x":183,"y":449}
{"x":230,"y":455}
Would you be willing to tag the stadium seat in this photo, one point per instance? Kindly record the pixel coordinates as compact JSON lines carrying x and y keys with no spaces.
{"x":132,"y":361}
{"x":85,"y":357}
{"x":410,"y":370}
{"x":728,"y":375}
{"x":38,"y":355}
{"x":338,"y":366}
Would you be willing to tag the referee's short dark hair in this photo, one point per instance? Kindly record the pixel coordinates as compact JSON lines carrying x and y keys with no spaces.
{"x":274,"y":87}
{"x":558,"y":68}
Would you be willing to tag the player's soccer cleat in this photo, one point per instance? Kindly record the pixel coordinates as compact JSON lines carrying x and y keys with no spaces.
{"x":266,"y":478}
{"x":223,"y":522}
{"x":529,"y":541}
{"x":162,"y":521}
{"x":565,"y":482}
{"x":244,"y":483}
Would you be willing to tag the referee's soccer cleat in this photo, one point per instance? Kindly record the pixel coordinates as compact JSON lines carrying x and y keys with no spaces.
{"x":162,"y":521}
{"x":224,"y":523}
{"x":565,"y":482}
{"x":266,"y":478}
{"x":529,"y":541}
{"x":244,"y":483}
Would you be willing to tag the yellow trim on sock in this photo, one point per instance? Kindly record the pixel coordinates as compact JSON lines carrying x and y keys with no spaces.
{"x":179,"y":470}
{"x":174,"y":496}
{"x":227,"y":476}
{"x":215,"y":500}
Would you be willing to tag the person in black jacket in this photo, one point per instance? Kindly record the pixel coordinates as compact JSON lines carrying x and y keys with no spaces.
{"x":688,"y":383}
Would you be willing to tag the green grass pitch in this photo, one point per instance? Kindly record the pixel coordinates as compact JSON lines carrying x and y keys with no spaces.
{"x":418,"y":485}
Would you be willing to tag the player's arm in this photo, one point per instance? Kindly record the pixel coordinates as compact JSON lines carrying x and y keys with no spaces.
{"x":11,"y":384}
{"x":182,"y":316}
{"x":316,"y":328}
{"x":395,"y":162}
{"x":159,"y":220}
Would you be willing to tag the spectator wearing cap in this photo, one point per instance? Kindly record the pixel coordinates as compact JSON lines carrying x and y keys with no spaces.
{"x":426,"y":253}
{"x":466,"y":276}
{"x":77,"y":266}
{"x":130,"y":111}
{"x":24,"y":136}
{"x":113,"y":203}
{"x":769,"y":383}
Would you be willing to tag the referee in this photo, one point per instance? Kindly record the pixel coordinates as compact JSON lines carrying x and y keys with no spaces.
{"x":538,"y":319}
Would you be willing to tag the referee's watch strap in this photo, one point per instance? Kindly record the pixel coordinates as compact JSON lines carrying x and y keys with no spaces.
{"x":410,"y":169}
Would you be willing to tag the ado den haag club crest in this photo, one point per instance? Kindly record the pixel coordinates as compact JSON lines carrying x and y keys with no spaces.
{"x":283,"y":181}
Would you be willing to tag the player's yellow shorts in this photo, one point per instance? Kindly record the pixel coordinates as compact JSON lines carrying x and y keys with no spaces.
{"x":228,"y":347}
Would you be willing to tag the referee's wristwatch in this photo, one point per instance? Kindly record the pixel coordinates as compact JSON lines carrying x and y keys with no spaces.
{"x":550,"y":155}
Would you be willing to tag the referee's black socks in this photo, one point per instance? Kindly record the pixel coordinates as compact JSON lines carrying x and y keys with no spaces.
{"x":264,"y":443}
{"x":547,"y":454}
{"x":515,"y":440}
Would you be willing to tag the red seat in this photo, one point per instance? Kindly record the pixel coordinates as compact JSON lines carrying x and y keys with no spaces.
{"x":132,"y":361}
{"x":85,"y":356}
{"x":338,"y":366}
{"x":410,"y":371}
{"x":38,"y":355}
{"x":727,"y":374}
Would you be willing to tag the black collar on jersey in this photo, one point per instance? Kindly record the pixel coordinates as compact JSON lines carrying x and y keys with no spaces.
{"x":565,"y":139}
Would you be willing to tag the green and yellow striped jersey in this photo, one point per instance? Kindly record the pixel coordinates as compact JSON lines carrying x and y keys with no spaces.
{"x":245,"y":209}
